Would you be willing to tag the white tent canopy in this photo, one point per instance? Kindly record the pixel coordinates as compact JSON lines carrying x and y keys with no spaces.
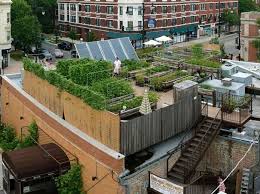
{"x":152,"y":43}
{"x":163,"y":39}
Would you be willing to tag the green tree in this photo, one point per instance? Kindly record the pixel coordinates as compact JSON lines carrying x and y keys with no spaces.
{"x":231,"y":18}
{"x":72,"y":35}
{"x":71,"y":182}
{"x":26,"y":32}
{"x":91,"y":37}
{"x":20,"y":9}
{"x":45,"y":12}
{"x":247,"y":5}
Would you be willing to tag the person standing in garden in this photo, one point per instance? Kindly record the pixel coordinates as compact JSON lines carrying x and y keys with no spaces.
{"x":117,"y":66}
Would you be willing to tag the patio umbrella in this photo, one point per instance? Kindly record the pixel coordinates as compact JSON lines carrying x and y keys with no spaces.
{"x":152,"y":43}
{"x":163,"y":39}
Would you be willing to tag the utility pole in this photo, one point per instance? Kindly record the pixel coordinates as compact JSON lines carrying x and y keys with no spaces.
{"x":219,"y":27}
{"x":239,"y":26}
{"x":143,"y":30}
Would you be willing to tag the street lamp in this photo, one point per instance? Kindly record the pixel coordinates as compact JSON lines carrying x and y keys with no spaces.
{"x":219,"y":18}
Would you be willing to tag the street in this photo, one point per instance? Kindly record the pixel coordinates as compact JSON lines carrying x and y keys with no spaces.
{"x":230,"y":45}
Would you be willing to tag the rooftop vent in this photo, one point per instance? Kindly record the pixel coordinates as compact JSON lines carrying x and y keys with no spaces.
{"x":226,"y":81}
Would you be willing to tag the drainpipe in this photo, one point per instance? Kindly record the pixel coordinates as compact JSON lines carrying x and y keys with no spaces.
{"x":1,"y":62}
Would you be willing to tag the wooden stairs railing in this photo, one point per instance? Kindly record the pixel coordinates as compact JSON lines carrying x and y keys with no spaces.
{"x":193,"y":150}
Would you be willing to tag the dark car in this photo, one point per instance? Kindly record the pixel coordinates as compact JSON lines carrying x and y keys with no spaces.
{"x":74,"y":54}
{"x":65,"y":46}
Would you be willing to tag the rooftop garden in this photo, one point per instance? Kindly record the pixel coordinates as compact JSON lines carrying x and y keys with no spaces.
{"x":93,"y":82}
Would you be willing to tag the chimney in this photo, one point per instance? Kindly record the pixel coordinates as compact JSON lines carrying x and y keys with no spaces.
{"x":226,"y":81}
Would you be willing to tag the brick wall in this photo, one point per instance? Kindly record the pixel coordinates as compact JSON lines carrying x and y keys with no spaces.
{"x":95,"y":160}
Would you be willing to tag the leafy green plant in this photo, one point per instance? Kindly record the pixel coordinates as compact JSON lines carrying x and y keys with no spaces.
{"x":204,"y":62}
{"x":185,"y":78}
{"x":134,"y":65}
{"x":8,"y":139}
{"x":87,"y":73}
{"x":206,"y":86}
{"x":32,"y":138}
{"x":133,"y":103}
{"x":112,"y":88}
{"x":214,"y":40}
{"x":156,"y":69}
{"x":71,"y":182}
{"x":228,"y":105}
{"x":157,"y":82}
{"x":139,"y":79}
{"x":90,"y":97}
{"x":145,"y":52}
{"x":197,"y":50}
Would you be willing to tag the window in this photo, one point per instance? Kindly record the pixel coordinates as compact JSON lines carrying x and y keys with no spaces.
{"x":129,"y":10}
{"x":164,"y":23}
{"x":62,"y":17}
{"x":86,"y":20}
{"x":87,"y":8}
{"x":140,"y":25}
{"x":235,"y":4}
{"x":174,"y":21}
{"x":72,"y":7}
{"x":62,"y":6}
{"x":140,"y":10}
{"x":202,"y":7}
{"x":8,"y":17}
{"x":68,"y":17}
{"x":97,"y":22}
{"x":98,"y":8}
{"x":203,"y":18}
{"x":222,"y":5}
{"x":173,"y":9}
{"x":121,"y":25}
{"x":121,"y":10}
{"x":193,"y":7}
{"x":182,"y":8}
{"x":153,"y":10}
{"x":164,"y":9}
{"x":73,"y":19}
{"x":183,"y":20}
{"x":217,"y":5}
{"x":8,"y":36}
{"x":211,"y":6}
{"x":110,"y":24}
{"x":110,"y":9}
{"x":130,"y":25}
{"x":193,"y":19}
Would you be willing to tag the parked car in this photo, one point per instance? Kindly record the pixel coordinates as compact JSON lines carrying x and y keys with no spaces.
{"x":45,"y":55}
{"x":65,"y":46}
{"x":74,"y":54}
{"x":58,"y":53}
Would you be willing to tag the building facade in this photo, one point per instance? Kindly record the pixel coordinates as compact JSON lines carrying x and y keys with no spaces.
{"x":117,"y":18}
{"x":5,"y":32}
{"x":249,"y":32}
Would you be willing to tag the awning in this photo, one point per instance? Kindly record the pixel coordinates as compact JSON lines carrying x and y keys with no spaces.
{"x":132,"y":36}
{"x":36,"y":161}
{"x":184,"y":29}
{"x":156,"y":34}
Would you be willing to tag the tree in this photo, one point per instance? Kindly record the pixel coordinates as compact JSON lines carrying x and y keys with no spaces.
{"x":47,"y":20}
{"x":72,"y":35}
{"x":231,"y":18}
{"x":26,"y":32}
{"x":20,"y":9}
{"x":91,"y":37}
{"x":247,"y":5}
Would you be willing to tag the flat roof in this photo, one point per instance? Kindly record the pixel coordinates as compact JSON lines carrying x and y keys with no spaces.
{"x":215,"y":83}
{"x":242,"y":75}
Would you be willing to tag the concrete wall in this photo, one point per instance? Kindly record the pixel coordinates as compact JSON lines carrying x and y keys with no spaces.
{"x":20,"y":109}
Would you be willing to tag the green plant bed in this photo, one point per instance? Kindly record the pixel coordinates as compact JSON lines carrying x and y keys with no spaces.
{"x":132,"y":103}
{"x":131,"y":65}
{"x":145,"y":52}
{"x":204,"y":62}
{"x":112,"y":88}
{"x":158,"y":82}
{"x":156,"y":69}
{"x":184,"y":79}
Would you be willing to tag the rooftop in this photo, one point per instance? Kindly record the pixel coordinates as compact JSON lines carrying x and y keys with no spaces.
{"x":218,"y":84}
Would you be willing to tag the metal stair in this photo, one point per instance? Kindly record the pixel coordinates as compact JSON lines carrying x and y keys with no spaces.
{"x":194,"y":150}
{"x":244,"y":188}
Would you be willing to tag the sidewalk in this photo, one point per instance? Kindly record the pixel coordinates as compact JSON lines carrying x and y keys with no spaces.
{"x":196,"y":41}
{"x":13,"y":67}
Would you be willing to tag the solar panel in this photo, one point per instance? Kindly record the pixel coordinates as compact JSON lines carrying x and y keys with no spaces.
{"x":107,"y":49}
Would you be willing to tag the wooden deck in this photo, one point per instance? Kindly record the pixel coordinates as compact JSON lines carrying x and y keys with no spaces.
{"x":236,"y":118}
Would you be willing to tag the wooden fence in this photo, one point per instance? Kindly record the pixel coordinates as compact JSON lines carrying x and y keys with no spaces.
{"x":142,"y":132}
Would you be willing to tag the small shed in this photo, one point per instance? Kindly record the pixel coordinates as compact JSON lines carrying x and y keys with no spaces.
{"x":183,"y":89}
{"x":32,"y":169}
{"x":244,"y":78}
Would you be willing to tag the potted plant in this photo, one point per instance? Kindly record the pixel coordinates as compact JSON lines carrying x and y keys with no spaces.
{"x":228,"y":105}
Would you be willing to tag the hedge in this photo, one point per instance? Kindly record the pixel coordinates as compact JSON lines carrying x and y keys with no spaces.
{"x":95,"y":100}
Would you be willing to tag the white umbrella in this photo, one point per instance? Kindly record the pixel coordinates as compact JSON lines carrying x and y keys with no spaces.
{"x":163,"y":39}
{"x":152,"y":43}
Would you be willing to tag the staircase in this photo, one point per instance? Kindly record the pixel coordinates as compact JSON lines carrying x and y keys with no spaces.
{"x":245,"y":181}
{"x":194,"y":150}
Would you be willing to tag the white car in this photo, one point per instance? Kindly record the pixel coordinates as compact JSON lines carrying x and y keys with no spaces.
{"x":58,"y":53}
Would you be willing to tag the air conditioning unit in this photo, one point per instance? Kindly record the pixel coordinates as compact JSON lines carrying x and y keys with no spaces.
{"x":226,"y":81}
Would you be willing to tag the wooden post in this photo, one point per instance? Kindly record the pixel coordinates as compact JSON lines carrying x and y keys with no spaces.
{"x":214,"y":98}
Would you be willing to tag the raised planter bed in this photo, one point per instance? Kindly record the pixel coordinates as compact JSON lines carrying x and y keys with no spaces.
{"x":159,"y":74}
{"x":121,"y":98}
{"x":133,"y":74}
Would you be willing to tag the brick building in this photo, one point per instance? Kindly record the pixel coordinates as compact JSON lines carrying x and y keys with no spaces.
{"x":117,"y":18}
{"x":249,"y":32}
